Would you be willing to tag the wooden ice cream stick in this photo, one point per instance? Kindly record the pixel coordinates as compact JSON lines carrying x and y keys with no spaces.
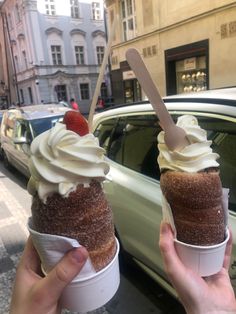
{"x":101,"y":75}
{"x":175,"y":137}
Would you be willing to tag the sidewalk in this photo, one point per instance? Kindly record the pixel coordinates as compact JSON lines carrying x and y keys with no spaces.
{"x":13,"y":234}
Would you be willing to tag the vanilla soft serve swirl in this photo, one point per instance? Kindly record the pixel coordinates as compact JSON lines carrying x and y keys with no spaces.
{"x":195,"y":157}
{"x":61,"y":159}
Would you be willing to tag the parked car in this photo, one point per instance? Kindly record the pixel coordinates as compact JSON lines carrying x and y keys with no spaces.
{"x":129,"y":136}
{"x":20,"y":126}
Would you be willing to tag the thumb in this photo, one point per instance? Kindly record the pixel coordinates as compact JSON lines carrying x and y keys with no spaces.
{"x":64,"y":272}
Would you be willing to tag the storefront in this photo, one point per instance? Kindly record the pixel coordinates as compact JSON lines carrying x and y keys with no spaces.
{"x":132,"y":90}
{"x":187,"y":68}
{"x":125,"y":86}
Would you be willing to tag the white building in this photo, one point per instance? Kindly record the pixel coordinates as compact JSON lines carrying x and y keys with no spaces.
{"x":55,"y":48}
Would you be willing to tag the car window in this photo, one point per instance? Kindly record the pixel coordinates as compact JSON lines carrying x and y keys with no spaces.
{"x":104,"y":132}
{"x":140,"y":145}
{"x":133,"y":144}
{"x":115,"y":146}
{"x":8,"y":124}
{"x":222,"y":133}
{"x":43,"y":124}
{"x":22,"y":129}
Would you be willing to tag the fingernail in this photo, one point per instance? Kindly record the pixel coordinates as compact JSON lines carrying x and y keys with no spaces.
{"x":79,"y":254}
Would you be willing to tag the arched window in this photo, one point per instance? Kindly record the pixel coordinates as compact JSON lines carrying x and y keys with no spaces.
{"x":55,"y":46}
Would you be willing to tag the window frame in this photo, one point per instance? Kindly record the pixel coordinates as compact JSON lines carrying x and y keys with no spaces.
{"x":50,"y":7}
{"x":100,"y":51}
{"x":79,"y":55}
{"x":96,"y":11}
{"x":56,"y":55}
{"x":84,"y":92}
{"x":128,"y":17}
{"x":75,"y":9}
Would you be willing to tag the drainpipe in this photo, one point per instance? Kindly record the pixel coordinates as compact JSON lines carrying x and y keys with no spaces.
{"x":12,"y":57}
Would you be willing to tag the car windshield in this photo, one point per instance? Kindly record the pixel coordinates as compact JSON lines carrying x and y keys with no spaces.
{"x":43,"y":124}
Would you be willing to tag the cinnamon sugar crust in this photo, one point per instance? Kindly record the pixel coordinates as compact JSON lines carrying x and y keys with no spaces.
{"x":84,"y":215}
{"x":196,"y":204}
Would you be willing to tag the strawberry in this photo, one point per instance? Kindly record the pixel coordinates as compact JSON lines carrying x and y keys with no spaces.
{"x":74,"y":121}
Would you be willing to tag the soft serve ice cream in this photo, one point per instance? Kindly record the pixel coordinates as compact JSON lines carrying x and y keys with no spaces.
{"x":61,"y":159}
{"x":67,"y":169}
{"x":191,"y":185}
{"x":195,"y":157}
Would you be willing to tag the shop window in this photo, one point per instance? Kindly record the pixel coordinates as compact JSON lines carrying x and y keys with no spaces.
{"x":132,"y":91}
{"x":191,"y":75}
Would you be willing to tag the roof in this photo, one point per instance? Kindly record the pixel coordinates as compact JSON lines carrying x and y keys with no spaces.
{"x":222,"y":101}
{"x":39,"y":111}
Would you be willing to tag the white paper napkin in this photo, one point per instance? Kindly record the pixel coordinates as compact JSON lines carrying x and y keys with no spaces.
{"x":51,"y":248}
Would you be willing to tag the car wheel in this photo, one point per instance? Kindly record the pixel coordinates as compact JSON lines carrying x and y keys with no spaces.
{"x":6,"y":162}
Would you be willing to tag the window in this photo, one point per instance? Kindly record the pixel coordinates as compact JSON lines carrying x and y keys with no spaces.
{"x":50,"y":7}
{"x":79,"y":54}
{"x":9,"y":20}
{"x":84,"y":91}
{"x":104,"y":131}
{"x":43,"y":124}
{"x":30,"y":95}
{"x":16,"y":63}
{"x":22,"y":130}
{"x":133,"y":143}
{"x":96,"y":11}
{"x":56,"y":55}
{"x":61,"y":92}
{"x":128,"y":19}
{"x":74,"y":8}
{"x":17,"y":13}
{"x":104,"y":90}
{"x":222,"y":133}
{"x":24,"y":59}
{"x":100,"y":54}
{"x":22,"y":96}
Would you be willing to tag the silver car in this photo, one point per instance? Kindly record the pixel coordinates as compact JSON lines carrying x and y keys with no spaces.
{"x":129,"y":136}
{"x":20,"y":126}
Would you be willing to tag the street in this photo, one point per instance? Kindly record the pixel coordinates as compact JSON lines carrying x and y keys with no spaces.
{"x":137,"y":292}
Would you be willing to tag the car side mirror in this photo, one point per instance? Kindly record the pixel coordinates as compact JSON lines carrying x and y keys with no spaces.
{"x":20,"y":140}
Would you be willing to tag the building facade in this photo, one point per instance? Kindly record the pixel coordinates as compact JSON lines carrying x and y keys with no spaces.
{"x":187,"y":46}
{"x":54,"y":49}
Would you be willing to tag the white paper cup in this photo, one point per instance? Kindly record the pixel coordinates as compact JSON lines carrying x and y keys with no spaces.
{"x":92,"y":292}
{"x":204,"y":260}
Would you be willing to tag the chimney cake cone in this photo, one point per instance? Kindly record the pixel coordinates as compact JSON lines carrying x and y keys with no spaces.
{"x":191,"y":184}
{"x":67,"y":169}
